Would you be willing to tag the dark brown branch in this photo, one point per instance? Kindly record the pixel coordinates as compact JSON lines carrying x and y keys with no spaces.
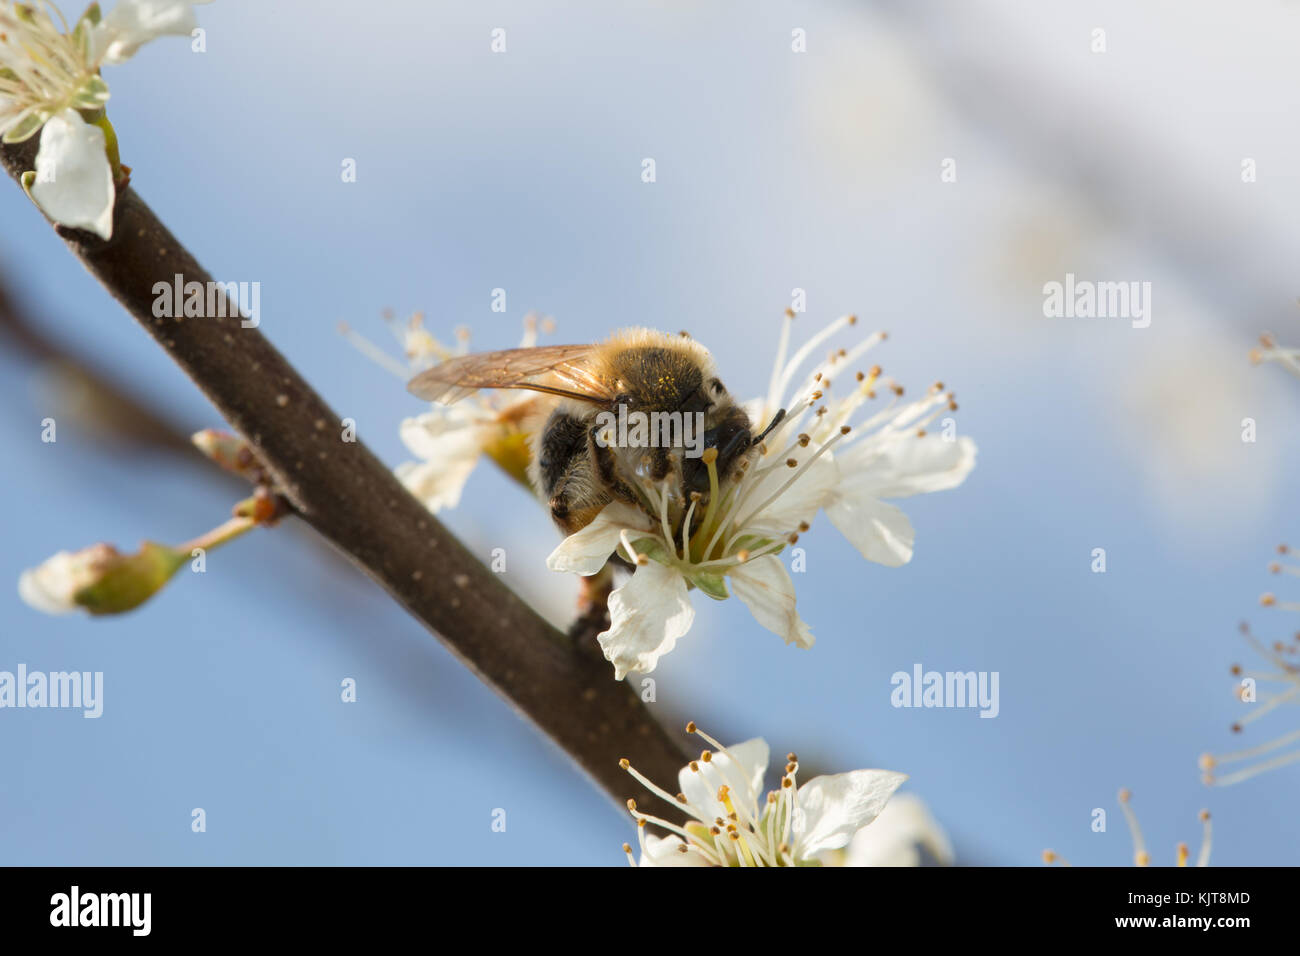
{"x":346,"y":494}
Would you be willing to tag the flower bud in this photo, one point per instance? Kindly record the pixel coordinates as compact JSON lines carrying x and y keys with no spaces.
{"x":99,"y":579}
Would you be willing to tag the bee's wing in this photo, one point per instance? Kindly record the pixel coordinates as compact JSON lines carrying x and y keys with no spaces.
{"x":555,"y":369}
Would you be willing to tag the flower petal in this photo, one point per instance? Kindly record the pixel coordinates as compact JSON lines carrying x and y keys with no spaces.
{"x":436,"y":485}
{"x":765,"y":587}
{"x":741,"y":767}
{"x":450,"y":446}
{"x":133,"y":23}
{"x":880,"y":531}
{"x":586,"y":551}
{"x":647,"y":615}
{"x":909,"y":465}
{"x":436,"y":435}
{"x":836,"y":806}
{"x":74,"y":184}
{"x":894,"y":838}
{"x":51,"y":585}
{"x":667,"y":851}
{"x":799,"y":502}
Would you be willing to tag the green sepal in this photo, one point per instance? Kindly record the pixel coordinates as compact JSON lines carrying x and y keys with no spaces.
{"x":711,"y":583}
{"x":654,"y":549}
{"x":92,"y":96}
{"x":26,"y":127}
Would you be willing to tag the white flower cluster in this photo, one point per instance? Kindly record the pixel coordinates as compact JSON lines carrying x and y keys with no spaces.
{"x":50,"y":83}
{"x":841,"y":456}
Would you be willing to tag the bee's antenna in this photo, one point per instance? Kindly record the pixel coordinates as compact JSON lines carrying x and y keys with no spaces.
{"x":777,"y":419}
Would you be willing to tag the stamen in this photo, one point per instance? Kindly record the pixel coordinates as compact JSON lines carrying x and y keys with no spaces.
{"x":1203,"y":858}
{"x":657,"y":790}
{"x":775,"y":388}
{"x":686,"y":526}
{"x":826,"y":446}
{"x":1140,"y":855}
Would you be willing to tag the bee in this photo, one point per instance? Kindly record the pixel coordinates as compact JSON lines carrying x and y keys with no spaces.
{"x":574,"y":468}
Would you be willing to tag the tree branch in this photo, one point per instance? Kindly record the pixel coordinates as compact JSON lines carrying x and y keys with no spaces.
{"x":347,"y":495}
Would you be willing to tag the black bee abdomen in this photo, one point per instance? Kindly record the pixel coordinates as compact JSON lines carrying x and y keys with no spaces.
{"x":563,"y":438}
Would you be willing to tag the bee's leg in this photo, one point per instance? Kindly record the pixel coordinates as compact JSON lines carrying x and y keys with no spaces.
{"x":593,"y":610}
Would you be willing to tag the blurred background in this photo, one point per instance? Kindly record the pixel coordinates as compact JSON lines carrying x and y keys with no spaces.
{"x":775,"y":170}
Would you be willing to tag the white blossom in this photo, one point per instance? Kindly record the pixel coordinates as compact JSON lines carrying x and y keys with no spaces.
{"x":827,"y":454}
{"x":732,"y":824}
{"x":448,"y":441}
{"x":49,"y":75}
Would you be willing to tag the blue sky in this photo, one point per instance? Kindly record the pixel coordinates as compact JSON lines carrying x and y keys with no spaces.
{"x":775,"y":170}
